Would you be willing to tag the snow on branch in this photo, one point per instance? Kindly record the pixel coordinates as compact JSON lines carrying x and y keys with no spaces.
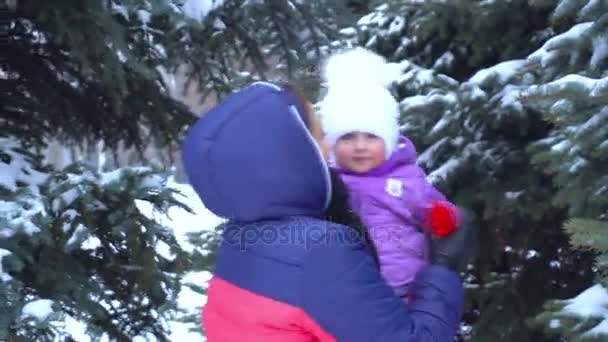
{"x":570,"y":87}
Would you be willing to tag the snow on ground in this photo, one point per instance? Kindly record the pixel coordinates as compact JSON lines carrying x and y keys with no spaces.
{"x":182,"y":222}
{"x":179,"y":220}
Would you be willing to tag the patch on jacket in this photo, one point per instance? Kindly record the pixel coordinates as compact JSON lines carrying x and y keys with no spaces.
{"x":394,"y":187}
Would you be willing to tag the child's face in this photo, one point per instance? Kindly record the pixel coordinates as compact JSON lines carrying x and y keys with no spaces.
{"x":359,"y":152}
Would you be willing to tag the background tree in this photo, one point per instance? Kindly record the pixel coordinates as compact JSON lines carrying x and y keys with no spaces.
{"x":75,"y":242}
{"x":499,"y":136}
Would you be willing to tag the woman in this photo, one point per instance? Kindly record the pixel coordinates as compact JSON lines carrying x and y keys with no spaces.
{"x":283,"y":272}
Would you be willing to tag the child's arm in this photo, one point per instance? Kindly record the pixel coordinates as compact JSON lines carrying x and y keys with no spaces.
{"x":434,"y":211}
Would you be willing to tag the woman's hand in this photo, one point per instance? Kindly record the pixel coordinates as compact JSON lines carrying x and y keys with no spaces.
{"x":453,"y":236}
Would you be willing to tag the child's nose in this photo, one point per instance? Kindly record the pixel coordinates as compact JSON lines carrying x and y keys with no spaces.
{"x":359,"y":142}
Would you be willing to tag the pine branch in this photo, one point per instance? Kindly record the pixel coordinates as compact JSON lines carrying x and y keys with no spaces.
{"x":588,"y":234}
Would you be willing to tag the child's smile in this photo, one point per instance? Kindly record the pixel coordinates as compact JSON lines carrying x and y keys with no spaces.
{"x":359,"y":152}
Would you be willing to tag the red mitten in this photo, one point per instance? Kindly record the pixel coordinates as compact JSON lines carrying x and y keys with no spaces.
{"x":442,"y":219}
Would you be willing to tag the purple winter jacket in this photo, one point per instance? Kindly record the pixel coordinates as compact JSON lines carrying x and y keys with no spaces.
{"x":390,"y":200}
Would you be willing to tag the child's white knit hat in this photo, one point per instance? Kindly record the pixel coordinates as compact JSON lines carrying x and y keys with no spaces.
{"x":357,"y":98}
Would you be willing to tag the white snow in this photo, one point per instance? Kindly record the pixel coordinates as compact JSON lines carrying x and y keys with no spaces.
{"x":440,"y":125}
{"x":77,"y":235}
{"x":19,"y":169}
{"x":192,"y":302}
{"x":548,"y":52}
{"x":445,"y":60}
{"x":65,"y":199}
{"x":555,"y":264}
{"x":179,"y":220}
{"x":91,"y":243}
{"x":396,"y":26}
{"x":478,"y":94}
{"x":600,"y":50}
{"x":532,"y":254}
{"x":600,"y":329}
{"x":429,"y":154}
{"x":374,"y":18}
{"x":169,"y":79}
{"x":76,"y":329}
{"x":513,"y":195}
{"x":510,"y":97}
{"x":68,"y":216}
{"x":447,"y":100}
{"x":590,"y":8}
{"x":349,"y":31}
{"x":182,"y":222}
{"x":198,"y":9}
{"x":120,"y":9}
{"x":562,"y":107}
{"x":161,"y":51}
{"x":592,"y":302}
{"x":22,"y":218}
{"x":412,"y":102}
{"x":600,"y":88}
{"x":110,"y":177}
{"x":371,"y":42}
{"x":502,"y":72}
{"x":113,"y":176}
{"x":554,"y":324}
{"x":578,"y":164}
{"x":144,"y":16}
{"x":39,"y":309}
{"x":588,"y":86}
{"x":4,"y":276}
{"x":561,"y":146}
{"x":442,"y":172}
{"x":219,"y":24}
{"x":153,"y":181}
{"x":595,"y":122}
{"x":164,"y":250}
{"x":421,"y":77}
{"x":121,"y":56}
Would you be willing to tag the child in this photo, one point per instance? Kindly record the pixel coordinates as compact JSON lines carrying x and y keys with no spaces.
{"x":388,"y":190}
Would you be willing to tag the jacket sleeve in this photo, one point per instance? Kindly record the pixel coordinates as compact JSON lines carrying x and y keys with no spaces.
{"x":427,"y":198}
{"x":429,"y":194}
{"x":345,"y":294}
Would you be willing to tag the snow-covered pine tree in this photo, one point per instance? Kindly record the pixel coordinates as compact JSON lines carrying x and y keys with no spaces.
{"x":574,"y":97}
{"x":465,"y":66}
{"x":76,"y":248}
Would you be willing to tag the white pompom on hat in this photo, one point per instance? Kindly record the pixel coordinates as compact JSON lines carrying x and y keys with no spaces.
{"x":357,"y":98}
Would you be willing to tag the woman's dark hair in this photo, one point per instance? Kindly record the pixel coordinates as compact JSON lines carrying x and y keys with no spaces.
{"x":300,"y":98}
{"x":339,"y":210}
